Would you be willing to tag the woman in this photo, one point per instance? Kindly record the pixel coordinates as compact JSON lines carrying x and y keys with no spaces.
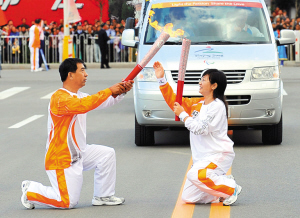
{"x":212,"y":149}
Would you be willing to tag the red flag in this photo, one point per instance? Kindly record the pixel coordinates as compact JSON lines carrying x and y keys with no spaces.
{"x":3,"y":20}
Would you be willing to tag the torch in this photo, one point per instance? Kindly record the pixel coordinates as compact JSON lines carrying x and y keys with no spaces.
{"x":186,"y":43}
{"x":154,"y":49}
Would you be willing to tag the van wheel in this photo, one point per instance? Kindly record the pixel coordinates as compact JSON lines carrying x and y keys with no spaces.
{"x":272,"y":135}
{"x":144,"y":136}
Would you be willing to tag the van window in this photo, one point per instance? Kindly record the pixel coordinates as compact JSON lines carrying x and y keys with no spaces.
{"x":210,"y":24}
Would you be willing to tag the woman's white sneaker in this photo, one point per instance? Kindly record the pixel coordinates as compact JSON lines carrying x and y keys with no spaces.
{"x":231,"y":199}
{"x":24,"y":200}
{"x":111,"y":200}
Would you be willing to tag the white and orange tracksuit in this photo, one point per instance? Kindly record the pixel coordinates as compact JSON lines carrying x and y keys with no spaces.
{"x":67,"y":153}
{"x":212,"y":149}
{"x":34,"y":44}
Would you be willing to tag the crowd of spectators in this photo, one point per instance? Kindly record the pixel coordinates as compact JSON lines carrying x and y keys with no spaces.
{"x":82,"y":32}
{"x":280,"y":19}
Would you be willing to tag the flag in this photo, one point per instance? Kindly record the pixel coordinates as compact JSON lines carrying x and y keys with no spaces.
{"x":73,"y":14}
{"x":3,"y":20}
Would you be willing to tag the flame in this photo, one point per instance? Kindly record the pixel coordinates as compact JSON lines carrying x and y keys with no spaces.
{"x":168,"y":28}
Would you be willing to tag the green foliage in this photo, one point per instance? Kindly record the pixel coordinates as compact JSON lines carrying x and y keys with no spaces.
{"x":120,"y":9}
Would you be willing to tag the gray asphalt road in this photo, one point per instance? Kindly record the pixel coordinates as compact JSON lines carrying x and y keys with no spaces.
{"x":149,"y":178}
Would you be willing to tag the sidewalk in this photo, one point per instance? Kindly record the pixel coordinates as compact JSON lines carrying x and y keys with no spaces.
{"x":55,"y":66}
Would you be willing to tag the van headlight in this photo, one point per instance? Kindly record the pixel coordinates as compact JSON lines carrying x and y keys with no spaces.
{"x":265,"y":73}
{"x":147,"y":75}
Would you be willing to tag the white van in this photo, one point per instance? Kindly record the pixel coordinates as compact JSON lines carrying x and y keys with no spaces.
{"x":233,"y":36}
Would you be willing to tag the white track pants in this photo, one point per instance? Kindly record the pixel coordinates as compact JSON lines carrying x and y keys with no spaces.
{"x":34,"y":58}
{"x":206,"y":180}
{"x":67,"y":183}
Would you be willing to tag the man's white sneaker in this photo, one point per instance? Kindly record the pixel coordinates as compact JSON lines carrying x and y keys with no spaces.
{"x":231,"y":199}
{"x":111,"y":200}
{"x":24,"y":200}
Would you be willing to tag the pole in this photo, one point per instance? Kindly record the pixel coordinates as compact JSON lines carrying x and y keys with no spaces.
{"x":67,"y":39}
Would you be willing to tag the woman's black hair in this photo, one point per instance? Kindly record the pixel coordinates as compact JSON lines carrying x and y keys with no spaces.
{"x":217,"y":76}
{"x":69,"y":65}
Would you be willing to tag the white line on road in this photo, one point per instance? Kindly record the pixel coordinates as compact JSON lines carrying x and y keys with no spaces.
{"x":24,"y":122}
{"x":48,"y":96}
{"x":12,"y":91}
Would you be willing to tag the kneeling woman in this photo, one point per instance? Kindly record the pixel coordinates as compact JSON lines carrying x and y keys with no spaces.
{"x":212,"y":149}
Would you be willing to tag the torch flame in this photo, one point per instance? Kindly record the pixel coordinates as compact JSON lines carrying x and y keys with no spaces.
{"x":168,"y":28}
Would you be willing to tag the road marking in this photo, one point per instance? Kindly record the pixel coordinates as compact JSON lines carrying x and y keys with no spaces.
{"x":187,"y":210}
{"x":284,"y":92}
{"x":48,"y":96}
{"x":24,"y":122}
{"x":181,"y":208}
{"x":12,"y":91}
{"x":217,"y":210}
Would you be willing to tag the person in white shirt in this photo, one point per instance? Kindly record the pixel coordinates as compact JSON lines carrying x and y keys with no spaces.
{"x":212,"y":149}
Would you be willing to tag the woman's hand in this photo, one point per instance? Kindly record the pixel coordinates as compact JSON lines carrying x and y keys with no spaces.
{"x":159,"y":70}
{"x":178,"y":109}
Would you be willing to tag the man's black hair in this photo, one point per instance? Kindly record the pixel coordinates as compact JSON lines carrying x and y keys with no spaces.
{"x":69,"y":65}
{"x":102,"y":25}
{"x":37,"y":21}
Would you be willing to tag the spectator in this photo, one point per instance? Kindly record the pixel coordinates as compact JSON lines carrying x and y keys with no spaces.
{"x":79,"y":39}
{"x":89,"y":46}
{"x":284,"y":15}
{"x":24,"y":42}
{"x":24,"y":24}
{"x":97,"y":54}
{"x":279,"y":15}
{"x":102,"y":42}
{"x":53,"y":40}
{"x":111,"y":33}
{"x":16,"y":52}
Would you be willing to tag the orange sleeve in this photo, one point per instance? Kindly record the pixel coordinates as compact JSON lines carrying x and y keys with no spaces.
{"x":170,"y":98}
{"x":36,"y":42}
{"x":62,"y":103}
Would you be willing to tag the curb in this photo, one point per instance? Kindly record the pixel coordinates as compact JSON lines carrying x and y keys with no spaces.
{"x":56,"y":66}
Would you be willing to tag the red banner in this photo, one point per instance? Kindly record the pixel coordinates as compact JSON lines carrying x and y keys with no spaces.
{"x":50,"y":10}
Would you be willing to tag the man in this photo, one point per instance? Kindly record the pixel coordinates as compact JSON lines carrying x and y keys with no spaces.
{"x":67,"y":154}
{"x":42,"y":45}
{"x":24,"y":24}
{"x":102,"y":42}
{"x":238,"y":25}
{"x":80,"y":36}
{"x":34,"y":45}
{"x":111,"y":33}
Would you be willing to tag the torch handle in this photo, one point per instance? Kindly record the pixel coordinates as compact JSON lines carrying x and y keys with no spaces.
{"x":134,"y":72}
{"x":180,"y":84}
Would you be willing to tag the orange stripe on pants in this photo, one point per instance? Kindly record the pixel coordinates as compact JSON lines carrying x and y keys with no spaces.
{"x":210,"y":184}
{"x":34,"y":67}
{"x":62,"y":186}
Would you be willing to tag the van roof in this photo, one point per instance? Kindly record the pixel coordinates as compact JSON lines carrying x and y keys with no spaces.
{"x":160,"y":1}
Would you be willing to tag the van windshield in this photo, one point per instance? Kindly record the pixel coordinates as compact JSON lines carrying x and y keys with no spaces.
{"x":209,"y":24}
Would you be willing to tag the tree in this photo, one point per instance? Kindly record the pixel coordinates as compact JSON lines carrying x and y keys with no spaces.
{"x":104,"y":7}
{"x":120,"y":9}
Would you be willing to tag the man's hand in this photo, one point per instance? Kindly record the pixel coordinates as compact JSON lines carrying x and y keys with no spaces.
{"x":128,"y":85}
{"x":178,"y":109}
{"x":159,"y":70}
{"x":117,"y":89}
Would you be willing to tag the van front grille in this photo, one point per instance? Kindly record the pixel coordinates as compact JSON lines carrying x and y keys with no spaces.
{"x":232,"y":99}
{"x":192,"y":77}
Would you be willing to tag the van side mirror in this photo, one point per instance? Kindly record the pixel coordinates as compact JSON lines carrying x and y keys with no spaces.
{"x":128,"y":38}
{"x":129,"y":23}
{"x":287,"y":37}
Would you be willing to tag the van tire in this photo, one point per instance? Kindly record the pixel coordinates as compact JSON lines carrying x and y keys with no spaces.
{"x":144,"y":135}
{"x":272,"y":135}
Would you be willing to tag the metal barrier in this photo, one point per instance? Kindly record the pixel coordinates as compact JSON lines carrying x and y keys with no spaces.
{"x":15,"y":50}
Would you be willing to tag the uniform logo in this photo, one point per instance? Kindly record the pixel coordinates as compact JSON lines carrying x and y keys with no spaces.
{"x":195,"y":114}
{"x":5,"y":3}
{"x":58,"y":5}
